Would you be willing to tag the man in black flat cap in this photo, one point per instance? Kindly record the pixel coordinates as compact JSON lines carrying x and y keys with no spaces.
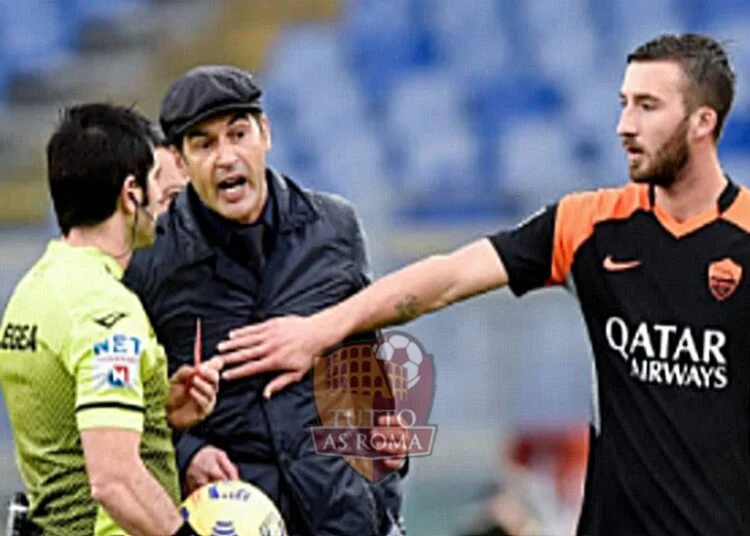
{"x":243,"y":243}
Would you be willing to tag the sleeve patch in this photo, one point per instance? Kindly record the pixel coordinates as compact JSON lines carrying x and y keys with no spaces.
{"x":117,"y":362}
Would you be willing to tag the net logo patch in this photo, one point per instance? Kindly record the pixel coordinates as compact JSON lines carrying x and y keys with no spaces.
{"x":119,"y":376}
{"x":116,"y":362}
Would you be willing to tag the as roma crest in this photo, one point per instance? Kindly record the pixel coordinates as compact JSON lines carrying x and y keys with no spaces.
{"x":723,"y":278}
{"x":358,"y":383}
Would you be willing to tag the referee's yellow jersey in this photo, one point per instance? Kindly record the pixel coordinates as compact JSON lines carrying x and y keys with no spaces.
{"x":77,"y":351}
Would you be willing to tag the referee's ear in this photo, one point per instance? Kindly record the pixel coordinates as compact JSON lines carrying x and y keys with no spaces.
{"x":131,"y":195}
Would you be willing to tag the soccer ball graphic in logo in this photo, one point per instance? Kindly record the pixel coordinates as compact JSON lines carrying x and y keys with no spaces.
{"x":359,"y":383}
{"x":405,"y":351}
{"x":232,"y":508}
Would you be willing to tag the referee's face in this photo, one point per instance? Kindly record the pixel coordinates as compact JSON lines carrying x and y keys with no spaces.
{"x":225,"y":157}
{"x":653,"y":123}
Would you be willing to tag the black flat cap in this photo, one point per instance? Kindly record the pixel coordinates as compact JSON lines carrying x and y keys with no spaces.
{"x":204,"y":92}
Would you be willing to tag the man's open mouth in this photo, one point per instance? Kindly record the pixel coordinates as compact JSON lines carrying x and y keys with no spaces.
{"x":232,"y":183}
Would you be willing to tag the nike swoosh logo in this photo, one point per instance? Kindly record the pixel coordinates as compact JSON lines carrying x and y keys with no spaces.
{"x":612,"y":265}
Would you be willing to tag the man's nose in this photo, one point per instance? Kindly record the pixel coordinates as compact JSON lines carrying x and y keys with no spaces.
{"x":626,"y":126}
{"x":226,"y":156}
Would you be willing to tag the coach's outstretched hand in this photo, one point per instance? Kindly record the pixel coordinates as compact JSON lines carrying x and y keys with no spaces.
{"x":288,"y":344}
{"x":192,"y":393}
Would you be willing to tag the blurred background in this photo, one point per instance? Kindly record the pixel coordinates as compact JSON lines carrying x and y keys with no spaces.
{"x":442,"y":120}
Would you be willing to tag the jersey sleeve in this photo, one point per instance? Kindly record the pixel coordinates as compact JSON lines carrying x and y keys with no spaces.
{"x":527,"y":250}
{"x":542,"y":249}
{"x":106,"y":357}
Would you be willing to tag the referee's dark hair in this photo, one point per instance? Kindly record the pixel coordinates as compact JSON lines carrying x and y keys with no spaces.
{"x":94,"y":149}
{"x":706,"y":66}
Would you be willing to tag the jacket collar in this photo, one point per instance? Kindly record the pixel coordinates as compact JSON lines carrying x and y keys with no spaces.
{"x":295,"y":210}
{"x":295,"y":206}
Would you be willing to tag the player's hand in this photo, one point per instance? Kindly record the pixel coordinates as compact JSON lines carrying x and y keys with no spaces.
{"x":209,"y":465}
{"x":289,"y":344}
{"x":396,"y":445}
{"x":192,"y":393}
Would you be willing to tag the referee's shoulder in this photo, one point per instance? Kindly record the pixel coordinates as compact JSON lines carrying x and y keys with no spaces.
{"x":87,"y":290}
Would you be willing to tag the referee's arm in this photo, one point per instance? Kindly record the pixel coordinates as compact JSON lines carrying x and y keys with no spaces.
{"x":124,"y":487}
{"x":110,"y":418}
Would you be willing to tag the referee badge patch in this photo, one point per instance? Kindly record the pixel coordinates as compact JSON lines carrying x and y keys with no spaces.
{"x":116,"y":362}
{"x":723,"y":278}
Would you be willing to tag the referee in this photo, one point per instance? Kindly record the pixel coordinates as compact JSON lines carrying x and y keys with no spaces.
{"x":84,"y":379}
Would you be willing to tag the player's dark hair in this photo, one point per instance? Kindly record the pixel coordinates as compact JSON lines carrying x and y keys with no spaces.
{"x":706,"y":65}
{"x":93,"y":150}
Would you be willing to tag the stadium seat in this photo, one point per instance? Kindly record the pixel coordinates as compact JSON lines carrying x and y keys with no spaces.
{"x":35,"y":36}
{"x":425,"y":101}
{"x":701,"y":15}
{"x":561,"y":37}
{"x":381,"y":43}
{"x":470,"y":41}
{"x":82,"y":11}
{"x":538,"y":163}
{"x":736,"y":137}
{"x":493,"y":102}
{"x":452,"y":95}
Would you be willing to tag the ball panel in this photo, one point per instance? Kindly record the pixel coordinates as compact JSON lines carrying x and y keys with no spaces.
{"x":232,"y":508}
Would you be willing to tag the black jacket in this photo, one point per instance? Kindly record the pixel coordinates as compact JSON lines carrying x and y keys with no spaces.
{"x":318,"y":259}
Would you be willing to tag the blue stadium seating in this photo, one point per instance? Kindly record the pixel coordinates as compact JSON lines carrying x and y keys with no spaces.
{"x":35,"y":35}
{"x":455,"y":86}
{"x":426,"y":96}
{"x":39,"y":36}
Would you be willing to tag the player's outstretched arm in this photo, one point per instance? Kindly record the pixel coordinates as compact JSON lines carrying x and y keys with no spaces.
{"x":423,"y":287}
{"x":291,"y":343}
{"x":124,"y":487}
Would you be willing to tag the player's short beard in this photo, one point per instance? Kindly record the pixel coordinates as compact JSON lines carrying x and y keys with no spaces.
{"x":669,"y":159}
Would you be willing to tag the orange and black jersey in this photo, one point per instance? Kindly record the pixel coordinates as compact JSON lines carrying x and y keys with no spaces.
{"x":667,"y":308}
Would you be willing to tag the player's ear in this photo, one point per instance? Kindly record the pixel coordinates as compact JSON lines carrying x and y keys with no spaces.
{"x":703,"y":122}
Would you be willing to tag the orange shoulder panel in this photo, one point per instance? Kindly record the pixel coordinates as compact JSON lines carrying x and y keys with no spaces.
{"x":578,"y":214}
{"x":739,"y":212}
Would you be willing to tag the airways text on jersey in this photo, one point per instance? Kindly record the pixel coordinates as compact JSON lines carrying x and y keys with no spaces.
{"x":670,"y":355}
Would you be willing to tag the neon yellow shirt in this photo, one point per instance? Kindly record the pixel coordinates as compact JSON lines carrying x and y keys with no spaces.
{"x":77,"y":351}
